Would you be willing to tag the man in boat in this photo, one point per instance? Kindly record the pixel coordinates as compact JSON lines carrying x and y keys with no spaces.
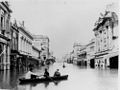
{"x":57,"y":73}
{"x":30,"y":74}
{"x":46,"y":73}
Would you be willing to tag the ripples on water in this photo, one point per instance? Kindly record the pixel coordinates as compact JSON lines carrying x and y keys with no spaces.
{"x":80,"y":78}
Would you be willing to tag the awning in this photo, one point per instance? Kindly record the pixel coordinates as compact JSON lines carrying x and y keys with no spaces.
{"x":102,"y":54}
{"x":32,"y":58}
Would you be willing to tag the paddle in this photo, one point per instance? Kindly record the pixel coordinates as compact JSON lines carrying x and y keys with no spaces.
{"x":39,"y":75}
{"x":48,"y":78}
{"x":52,"y":80}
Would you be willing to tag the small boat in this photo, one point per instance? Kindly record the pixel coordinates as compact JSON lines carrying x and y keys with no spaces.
{"x":38,"y":80}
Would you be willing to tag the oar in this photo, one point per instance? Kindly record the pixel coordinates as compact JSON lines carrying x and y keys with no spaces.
{"x":40,"y":75}
{"x":49,"y":78}
{"x":52,"y":80}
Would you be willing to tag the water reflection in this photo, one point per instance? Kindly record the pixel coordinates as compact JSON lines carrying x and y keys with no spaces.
{"x":5,"y":79}
{"x":79,"y":78}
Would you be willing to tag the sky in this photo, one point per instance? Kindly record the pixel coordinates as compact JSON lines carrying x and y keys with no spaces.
{"x":63,"y":21}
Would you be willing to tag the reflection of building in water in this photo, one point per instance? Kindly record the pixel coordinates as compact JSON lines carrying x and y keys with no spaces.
{"x":4,"y":35}
{"x":5,"y":79}
{"x":8,"y":79}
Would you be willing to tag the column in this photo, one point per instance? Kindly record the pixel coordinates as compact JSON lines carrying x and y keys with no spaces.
{"x":23,"y":45}
{"x":27,"y":47}
{"x":0,"y":19}
{"x":30,"y":46}
{"x":20,"y":44}
{"x":108,"y":61}
{"x":8,"y":57}
{"x":5,"y":18}
{"x":4,"y":58}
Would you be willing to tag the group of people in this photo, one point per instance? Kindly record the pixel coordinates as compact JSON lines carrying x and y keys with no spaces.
{"x":31,"y":75}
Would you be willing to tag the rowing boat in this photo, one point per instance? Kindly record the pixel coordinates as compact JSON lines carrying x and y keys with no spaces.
{"x":43,"y":79}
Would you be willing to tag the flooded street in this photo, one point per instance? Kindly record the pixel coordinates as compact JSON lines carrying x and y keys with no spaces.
{"x":80,"y":78}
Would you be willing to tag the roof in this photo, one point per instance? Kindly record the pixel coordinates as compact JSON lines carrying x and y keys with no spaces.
{"x":26,"y":32}
{"x":101,"y":23}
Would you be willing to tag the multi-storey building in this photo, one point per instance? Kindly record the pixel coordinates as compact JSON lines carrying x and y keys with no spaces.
{"x":106,"y":40}
{"x":4,"y":35}
{"x":79,"y":54}
{"x":25,"y":45}
{"x":75,"y":53}
{"x":82,"y":56}
{"x":42,"y":43}
{"x":90,"y":49}
{"x":14,"y":45}
{"x":36,"y":54}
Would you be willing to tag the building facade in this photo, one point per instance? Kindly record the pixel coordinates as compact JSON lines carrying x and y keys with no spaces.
{"x":90,"y":50}
{"x":36,"y":54}
{"x":42,"y":43}
{"x":106,"y":30}
{"x":79,"y":54}
{"x":5,"y":12}
{"x":75,"y":53}
{"x":14,"y":45}
{"x":25,"y":46}
{"x":82,"y":56}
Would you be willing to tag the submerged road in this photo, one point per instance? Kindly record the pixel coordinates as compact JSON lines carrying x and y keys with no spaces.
{"x":80,"y":78}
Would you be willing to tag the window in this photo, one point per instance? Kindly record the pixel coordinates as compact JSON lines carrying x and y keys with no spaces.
{"x":1,"y":22}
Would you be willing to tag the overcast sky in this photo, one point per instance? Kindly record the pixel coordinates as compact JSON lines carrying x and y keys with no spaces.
{"x":63,"y":21}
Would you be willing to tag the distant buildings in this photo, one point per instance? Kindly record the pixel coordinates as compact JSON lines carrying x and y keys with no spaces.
{"x":83,"y":53}
{"x":75,"y":53}
{"x":42,"y":43}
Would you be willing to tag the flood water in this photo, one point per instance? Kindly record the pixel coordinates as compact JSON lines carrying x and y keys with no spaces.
{"x":80,"y":78}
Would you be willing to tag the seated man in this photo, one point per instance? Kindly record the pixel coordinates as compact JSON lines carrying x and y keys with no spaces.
{"x":30,"y":74}
{"x":46,"y":73}
{"x":57,"y":73}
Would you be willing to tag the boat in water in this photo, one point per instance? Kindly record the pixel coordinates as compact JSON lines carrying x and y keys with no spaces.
{"x":43,"y":79}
